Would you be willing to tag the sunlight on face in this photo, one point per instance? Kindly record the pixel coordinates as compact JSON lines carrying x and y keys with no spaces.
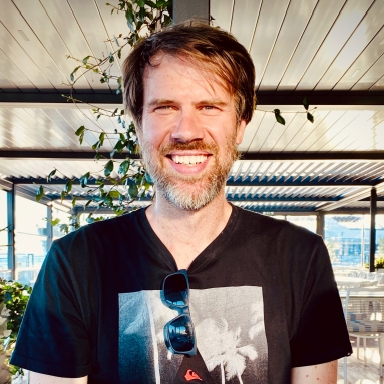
{"x":189,"y":133}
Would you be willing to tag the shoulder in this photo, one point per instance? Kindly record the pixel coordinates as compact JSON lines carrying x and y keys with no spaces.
{"x":97,"y":237}
{"x":269,"y":226}
{"x":104,"y":228}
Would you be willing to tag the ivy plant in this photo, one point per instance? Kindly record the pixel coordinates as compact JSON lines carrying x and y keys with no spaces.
{"x":14,"y":297}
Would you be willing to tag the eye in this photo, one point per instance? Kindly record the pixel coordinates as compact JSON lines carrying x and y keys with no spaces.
{"x":164,"y":109}
{"x":210,"y":110}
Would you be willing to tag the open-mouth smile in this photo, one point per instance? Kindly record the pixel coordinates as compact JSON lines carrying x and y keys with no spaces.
{"x":190,"y":160}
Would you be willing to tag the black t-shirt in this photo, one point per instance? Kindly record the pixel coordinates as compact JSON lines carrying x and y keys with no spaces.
{"x":263,"y":299}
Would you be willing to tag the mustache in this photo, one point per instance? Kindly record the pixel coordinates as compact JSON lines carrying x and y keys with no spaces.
{"x":165,"y":149}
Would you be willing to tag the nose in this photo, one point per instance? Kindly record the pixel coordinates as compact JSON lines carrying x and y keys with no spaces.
{"x":187,"y":128}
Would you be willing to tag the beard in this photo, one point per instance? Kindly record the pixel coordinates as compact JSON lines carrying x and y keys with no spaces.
{"x":190,"y":192}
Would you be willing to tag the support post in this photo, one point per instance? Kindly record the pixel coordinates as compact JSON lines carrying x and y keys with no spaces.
{"x":320,"y":224}
{"x":372,"y":242}
{"x":11,"y":197}
{"x":49,"y":227}
{"x":186,"y":9}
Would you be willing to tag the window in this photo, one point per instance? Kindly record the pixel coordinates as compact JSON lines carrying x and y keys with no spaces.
{"x":348,"y":236}
{"x":308,"y":221}
{"x":32,"y":239}
{"x":4,"y":268}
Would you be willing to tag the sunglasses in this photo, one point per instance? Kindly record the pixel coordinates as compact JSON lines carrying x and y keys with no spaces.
{"x":179,"y":335}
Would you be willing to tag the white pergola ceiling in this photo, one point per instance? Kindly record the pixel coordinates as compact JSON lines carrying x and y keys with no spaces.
{"x":331,"y":51}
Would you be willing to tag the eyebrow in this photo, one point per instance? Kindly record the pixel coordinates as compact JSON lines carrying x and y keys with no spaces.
{"x":155,"y":102}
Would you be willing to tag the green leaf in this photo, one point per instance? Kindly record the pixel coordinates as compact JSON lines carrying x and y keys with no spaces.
{"x":40,"y":193}
{"x":124,"y":166}
{"x":101,"y":138}
{"x":108,"y":168}
{"x":68,"y":186}
{"x":140,"y":3}
{"x":119,"y":146}
{"x":141,"y":15}
{"x":114,"y":194}
{"x":72,"y":75}
{"x":85,"y":60}
{"x":280,"y":119}
{"x":107,"y":200}
{"x":84,"y":180}
{"x":148,"y":178}
{"x":74,"y":202}
{"x":310,"y":117}
{"x":87,"y":203}
{"x":95,"y":147}
{"x":119,"y":120}
{"x":111,"y":58}
{"x":80,"y":130}
{"x":151,"y":4}
{"x":130,"y":19}
{"x":62,"y":195}
{"x":90,"y":219}
{"x":81,"y":138}
{"x":305,"y":103}
{"x":52,"y":173}
{"x":55,"y":222}
{"x":119,"y":53}
{"x":132,"y":191}
{"x":167,"y":20}
{"x":161,"y":3}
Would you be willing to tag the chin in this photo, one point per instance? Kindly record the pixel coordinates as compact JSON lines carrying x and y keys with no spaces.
{"x":191,"y":197}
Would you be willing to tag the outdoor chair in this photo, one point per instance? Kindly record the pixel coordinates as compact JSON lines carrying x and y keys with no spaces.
{"x":365,"y":321}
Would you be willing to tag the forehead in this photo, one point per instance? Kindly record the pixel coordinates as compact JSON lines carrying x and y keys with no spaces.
{"x":174,"y":72}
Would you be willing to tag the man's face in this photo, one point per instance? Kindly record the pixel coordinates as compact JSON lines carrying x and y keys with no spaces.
{"x":189,"y":132}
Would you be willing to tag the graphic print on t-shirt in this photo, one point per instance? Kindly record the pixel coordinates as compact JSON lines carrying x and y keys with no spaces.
{"x":230,"y":334}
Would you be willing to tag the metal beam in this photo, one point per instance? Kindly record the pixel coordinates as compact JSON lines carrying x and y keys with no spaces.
{"x":266,"y":98}
{"x":55,"y":155}
{"x":377,"y":156}
{"x":372,"y":241}
{"x":229,"y":198}
{"x":352,"y":198}
{"x":230,"y":183}
{"x":183,"y":10}
{"x":6,"y":185}
{"x":20,"y":191}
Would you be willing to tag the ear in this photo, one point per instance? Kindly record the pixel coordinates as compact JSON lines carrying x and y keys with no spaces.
{"x":240,"y":131}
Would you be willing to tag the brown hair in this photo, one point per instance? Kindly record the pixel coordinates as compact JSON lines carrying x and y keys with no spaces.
{"x":213,"y":49}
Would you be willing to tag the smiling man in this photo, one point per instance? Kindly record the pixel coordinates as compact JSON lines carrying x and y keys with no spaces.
{"x":191,"y":289}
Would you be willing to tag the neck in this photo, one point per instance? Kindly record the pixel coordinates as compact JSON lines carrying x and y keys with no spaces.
{"x":187,"y":233}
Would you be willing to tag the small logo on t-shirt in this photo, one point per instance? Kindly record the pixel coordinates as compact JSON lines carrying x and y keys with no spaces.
{"x":190,"y":375}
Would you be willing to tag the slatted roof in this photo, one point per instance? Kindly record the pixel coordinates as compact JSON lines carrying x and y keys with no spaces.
{"x":331,"y":51}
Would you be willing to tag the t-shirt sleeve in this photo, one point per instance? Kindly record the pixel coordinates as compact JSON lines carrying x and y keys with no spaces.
{"x":321,"y":334}
{"x":53,"y":339}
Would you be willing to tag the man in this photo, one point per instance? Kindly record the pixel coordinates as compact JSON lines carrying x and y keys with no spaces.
{"x":111,"y":303}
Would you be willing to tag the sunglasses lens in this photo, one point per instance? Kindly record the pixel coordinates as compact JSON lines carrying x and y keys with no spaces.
{"x":181,"y":335}
{"x":176,"y":289}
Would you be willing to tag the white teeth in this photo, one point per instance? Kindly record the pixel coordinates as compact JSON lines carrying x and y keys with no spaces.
{"x":188,"y":160}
